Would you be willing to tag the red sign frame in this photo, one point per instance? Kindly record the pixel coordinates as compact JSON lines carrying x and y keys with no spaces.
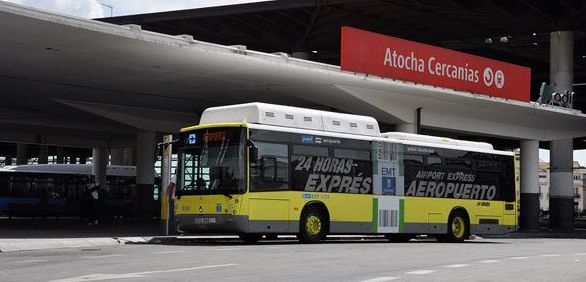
{"x":392,"y":57}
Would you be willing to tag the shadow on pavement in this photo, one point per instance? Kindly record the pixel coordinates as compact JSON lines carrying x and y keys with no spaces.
{"x":290,"y":240}
{"x":50,"y":228}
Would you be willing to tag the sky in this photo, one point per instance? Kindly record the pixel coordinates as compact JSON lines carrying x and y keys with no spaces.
{"x":100,"y":9}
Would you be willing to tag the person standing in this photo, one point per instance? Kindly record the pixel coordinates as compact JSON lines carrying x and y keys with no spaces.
{"x":170,"y":204}
{"x":91,"y":204}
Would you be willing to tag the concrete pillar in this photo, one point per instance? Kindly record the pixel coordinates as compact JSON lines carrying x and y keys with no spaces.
{"x":145,"y":174}
{"x":122,"y":156}
{"x":99,"y":165}
{"x":60,"y":155}
{"x":561,"y":60}
{"x":127,"y":158}
{"x":561,"y":187}
{"x":21,"y":154}
{"x":529,"y":185}
{"x":133,"y":155}
{"x":561,"y":191}
{"x":411,"y":127}
{"x":407,"y":127}
{"x":43,"y":154}
{"x":116,"y":156}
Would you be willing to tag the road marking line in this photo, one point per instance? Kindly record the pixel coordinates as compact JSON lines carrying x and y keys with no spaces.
{"x":31,"y":261}
{"x":456,"y":265}
{"x":380,"y":279}
{"x":518,"y":258}
{"x":550,"y":255}
{"x":186,"y":269}
{"x":421,"y":272}
{"x":105,"y":256}
{"x":108,"y":276}
{"x":171,"y":252}
{"x":576,"y":260}
{"x":489,"y":261}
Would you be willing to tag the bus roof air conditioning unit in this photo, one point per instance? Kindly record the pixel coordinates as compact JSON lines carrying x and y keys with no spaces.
{"x":285,"y":116}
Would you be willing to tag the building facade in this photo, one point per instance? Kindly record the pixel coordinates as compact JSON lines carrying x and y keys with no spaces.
{"x":579,"y":181}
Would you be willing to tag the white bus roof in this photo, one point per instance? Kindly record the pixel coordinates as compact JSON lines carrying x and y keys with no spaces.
{"x":437,"y":140}
{"x":278,"y":115}
{"x":80,"y":169}
{"x":300,"y":120}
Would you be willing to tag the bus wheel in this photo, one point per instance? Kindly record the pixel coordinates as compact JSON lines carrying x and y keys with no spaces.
{"x":399,"y":238}
{"x":458,"y":227}
{"x":250,"y":238}
{"x":313,"y":226}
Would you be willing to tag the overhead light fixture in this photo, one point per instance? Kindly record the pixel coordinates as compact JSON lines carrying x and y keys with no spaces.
{"x":314,"y":51}
{"x":504,"y":39}
{"x":488,"y":41}
{"x":534,"y":34}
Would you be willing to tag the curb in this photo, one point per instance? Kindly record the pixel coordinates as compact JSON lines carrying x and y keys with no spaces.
{"x":15,"y":245}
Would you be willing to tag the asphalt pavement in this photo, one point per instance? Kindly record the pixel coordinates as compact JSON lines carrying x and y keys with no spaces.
{"x":68,"y":250}
{"x":365,"y":260}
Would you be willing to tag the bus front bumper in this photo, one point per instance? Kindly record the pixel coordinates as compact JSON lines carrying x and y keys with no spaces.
{"x":209,"y":223}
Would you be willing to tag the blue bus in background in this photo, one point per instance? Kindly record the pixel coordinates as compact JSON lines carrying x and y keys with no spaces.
{"x":58,"y":189}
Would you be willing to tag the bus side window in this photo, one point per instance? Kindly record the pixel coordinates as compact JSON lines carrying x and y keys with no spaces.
{"x":459,"y":163}
{"x":508,"y":178}
{"x":270,"y":172}
{"x":434,"y":160}
{"x":413,"y":160}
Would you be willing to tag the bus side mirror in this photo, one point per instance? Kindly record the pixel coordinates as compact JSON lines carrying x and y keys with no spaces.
{"x":253,"y":152}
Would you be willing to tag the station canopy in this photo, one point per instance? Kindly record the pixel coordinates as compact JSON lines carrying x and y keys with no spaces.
{"x":516,"y":31}
{"x":78,"y":82}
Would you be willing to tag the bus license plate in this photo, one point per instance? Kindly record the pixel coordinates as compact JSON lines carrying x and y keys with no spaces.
{"x":205,"y":220}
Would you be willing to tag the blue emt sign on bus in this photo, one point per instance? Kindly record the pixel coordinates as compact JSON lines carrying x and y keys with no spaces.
{"x":192,"y":139}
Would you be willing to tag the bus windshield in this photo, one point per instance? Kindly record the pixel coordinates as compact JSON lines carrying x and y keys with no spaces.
{"x":213,"y":161}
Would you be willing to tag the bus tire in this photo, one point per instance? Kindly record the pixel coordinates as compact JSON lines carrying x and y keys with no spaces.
{"x":249,"y":238}
{"x":313,"y":225}
{"x":458,"y":227}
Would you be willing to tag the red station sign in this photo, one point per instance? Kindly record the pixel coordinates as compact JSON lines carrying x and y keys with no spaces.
{"x":391,"y":57}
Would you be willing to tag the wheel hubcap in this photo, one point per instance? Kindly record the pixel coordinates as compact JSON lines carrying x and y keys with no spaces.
{"x":313,"y":225}
{"x":458,"y":227}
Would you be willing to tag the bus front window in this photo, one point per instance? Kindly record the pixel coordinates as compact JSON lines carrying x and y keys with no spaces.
{"x":213,"y":161}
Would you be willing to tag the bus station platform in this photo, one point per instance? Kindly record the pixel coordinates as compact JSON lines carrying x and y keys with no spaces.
{"x":23,"y":234}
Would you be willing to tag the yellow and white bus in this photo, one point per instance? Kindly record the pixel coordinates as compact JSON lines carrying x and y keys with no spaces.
{"x":262,"y":170}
